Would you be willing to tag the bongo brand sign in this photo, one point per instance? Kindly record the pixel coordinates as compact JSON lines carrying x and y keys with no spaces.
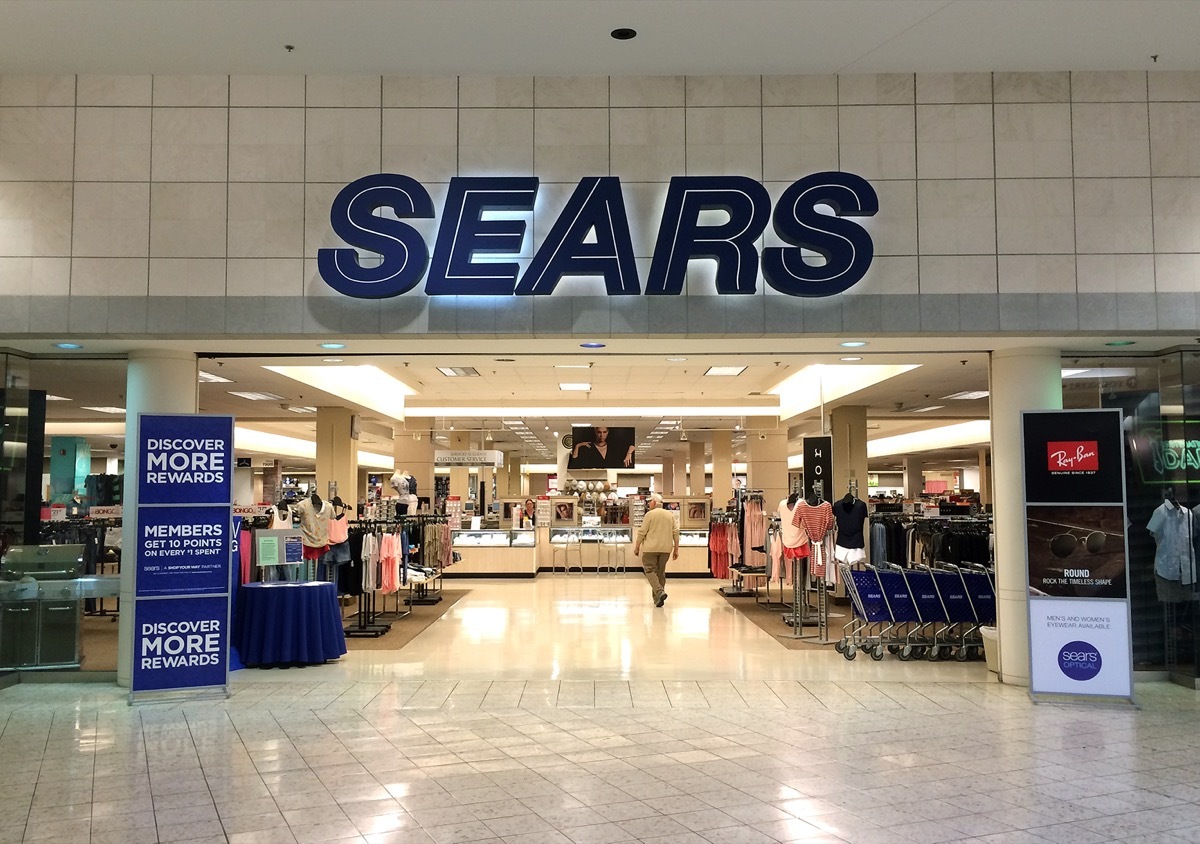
{"x":591,"y":237}
{"x":1076,"y":554}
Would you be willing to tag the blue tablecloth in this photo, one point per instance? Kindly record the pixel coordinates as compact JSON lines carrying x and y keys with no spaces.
{"x":288,"y":623}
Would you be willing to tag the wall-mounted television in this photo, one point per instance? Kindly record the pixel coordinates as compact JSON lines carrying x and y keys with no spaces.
{"x":602,"y":447}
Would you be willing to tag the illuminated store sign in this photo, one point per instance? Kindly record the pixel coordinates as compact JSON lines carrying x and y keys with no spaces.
{"x":591,"y":237}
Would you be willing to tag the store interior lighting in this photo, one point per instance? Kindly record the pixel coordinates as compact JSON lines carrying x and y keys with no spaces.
{"x":365,"y":385}
{"x":817,"y":384}
{"x":976,"y":432}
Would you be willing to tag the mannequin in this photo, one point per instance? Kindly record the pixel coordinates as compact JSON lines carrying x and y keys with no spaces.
{"x":816,"y":517}
{"x":792,"y":536}
{"x":339,"y":535}
{"x":1174,"y":530}
{"x":281,"y":516}
{"x":850,"y":515}
{"x":315,"y":515}
{"x":405,"y":486}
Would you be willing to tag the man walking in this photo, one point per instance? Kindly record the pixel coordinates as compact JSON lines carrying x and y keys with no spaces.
{"x":660,"y":534}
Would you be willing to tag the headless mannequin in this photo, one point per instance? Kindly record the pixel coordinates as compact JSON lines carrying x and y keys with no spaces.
{"x":404,"y":485}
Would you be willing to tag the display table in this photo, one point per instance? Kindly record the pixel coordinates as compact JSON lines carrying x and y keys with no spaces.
{"x":288,"y":624}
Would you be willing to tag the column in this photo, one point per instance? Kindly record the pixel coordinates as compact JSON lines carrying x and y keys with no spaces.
{"x":678,"y":473}
{"x":696,"y":471}
{"x":517,"y":487}
{"x":1021,"y":379}
{"x":914,"y":477}
{"x":156,"y":381}
{"x":337,"y":454}
{"x":412,"y":452}
{"x":502,"y":479}
{"x":848,"y":427}
{"x":985,"y":477}
{"x":460,"y":476}
{"x":722,"y":463}
{"x":767,"y":469}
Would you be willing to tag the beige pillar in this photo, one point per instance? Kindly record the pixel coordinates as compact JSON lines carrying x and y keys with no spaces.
{"x":722,"y":471}
{"x":156,"y":381}
{"x":696,"y":468}
{"x":985,"y":477}
{"x":848,"y":427}
{"x":767,"y":465}
{"x":678,"y":472}
{"x":502,"y":479}
{"x":460,"y":476}
{"x":518,"y":484}
{"x":337,"y":454}
{"x":914,"y":477}
{"x":1021,"y":379}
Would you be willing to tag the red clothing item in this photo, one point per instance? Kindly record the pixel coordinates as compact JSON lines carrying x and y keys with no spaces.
{"x":816,"y":521}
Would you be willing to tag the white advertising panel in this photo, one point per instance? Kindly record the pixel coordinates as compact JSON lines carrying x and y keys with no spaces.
{"x":1082,"y":646}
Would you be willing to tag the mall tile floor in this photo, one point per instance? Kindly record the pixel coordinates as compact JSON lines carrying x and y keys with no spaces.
{"x":683,"y":725}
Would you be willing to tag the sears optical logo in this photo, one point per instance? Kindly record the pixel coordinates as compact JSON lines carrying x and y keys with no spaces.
{"x":1080,"y":661}
{"x":1077,"y":457}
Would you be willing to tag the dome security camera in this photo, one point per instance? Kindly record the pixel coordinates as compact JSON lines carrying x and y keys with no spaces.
{"x":762,"y":436}
{"x":112,"y":445}
{"x":683,"y":436}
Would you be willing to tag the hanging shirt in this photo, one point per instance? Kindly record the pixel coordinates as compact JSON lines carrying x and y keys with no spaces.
{"x":850,"y":520}
{"x":816,"y":520}
{"x":793,"y":534}
{"x":281,"y":517}
{"x":314,"y":522}
{"x":1173,"y":529}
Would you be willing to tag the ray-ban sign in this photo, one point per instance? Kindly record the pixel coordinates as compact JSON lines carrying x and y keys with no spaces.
{"x":591,"y":237}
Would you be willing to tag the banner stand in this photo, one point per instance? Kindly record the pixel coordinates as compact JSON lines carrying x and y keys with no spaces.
{"x":183,"y":558}
{"x":1077,"y":558}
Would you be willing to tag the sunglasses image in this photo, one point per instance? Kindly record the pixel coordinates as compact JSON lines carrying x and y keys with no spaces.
{"x":1064,"y":544}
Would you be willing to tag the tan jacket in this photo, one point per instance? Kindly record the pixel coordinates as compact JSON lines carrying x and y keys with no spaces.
{"x":659,"y":532}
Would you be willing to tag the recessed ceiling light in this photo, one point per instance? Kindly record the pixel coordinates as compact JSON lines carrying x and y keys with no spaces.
{"x":725,"y":370}
{"x":968,"y":395}
{"x":927,"y":409}
{"x":572,"y":366}
{"x":512,"y":422}
{"x":209,"y":378}
{"x":850,"y":359}
{"x":581,"y":386}
{"x":333,"y":345}
{"x":57,"y":398}
{"x":252,"y":396}
{"x":1121,"y":343}
{"x":67,"y":346}
{"x":106,"y":409}
{"x":459,"y":371}
{"x":623,"y":33}
{"x":676,"y":360}
{"x":331,"y":360}
{"x":505,"y":360}
{"x":591,"y":345}
{"x":294,"y":409}
{"x":853,"y":344}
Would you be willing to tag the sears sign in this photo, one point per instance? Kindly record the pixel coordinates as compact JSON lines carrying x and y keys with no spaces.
{"x":591,"y":237}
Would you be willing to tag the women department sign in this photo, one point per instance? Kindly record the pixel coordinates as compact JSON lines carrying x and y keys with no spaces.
{"x":183,"y":553}
{"x":1079,"y":635}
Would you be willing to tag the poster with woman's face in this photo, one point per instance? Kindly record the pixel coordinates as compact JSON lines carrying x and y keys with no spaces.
{"x":564,"y":512}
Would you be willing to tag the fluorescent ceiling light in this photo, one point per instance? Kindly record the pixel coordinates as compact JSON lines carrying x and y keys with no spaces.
{"x":459,"y":371}
{"x":366,"y":385}
{"x":676,"y":360}
{"x":209,"y":378}
{"x":581,"y":386}
{"x":853,"y":344}
{"x":248,"y":439}
{"x":572,"y":366}
{"x":113,"y":410}
{"x":976,"y":432}
{"x":968,"y":395}
{"x":57,"y":398}
{"x":669,"y":422}
{"x":725,"y":370}
{"x":85,"y":429}
{"x":585,"y":411}
{"x":927,"y":409}
{"x":581,"y":424}
{"x":817,"y":384}
{"x":512,"y":422}
{"x":251,"y":396}
{"x":376,"y":461}
{"x":1100,"y":372}
{"x":295,"y":409}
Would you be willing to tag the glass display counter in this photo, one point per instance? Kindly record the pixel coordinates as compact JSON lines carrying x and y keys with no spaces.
{"x":494,"y":553}
{"x":607,"y":534}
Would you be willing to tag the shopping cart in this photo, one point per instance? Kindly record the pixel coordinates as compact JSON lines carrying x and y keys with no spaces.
{"x":960,"y":632}
{"x":869,"y":613}
{"x":930,"y":613}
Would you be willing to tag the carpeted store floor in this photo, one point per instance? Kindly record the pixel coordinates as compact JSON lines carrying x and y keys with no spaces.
{"x":769,"y":619}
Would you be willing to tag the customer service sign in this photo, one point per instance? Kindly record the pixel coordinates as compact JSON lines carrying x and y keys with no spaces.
{"x":1079,"y":632}
{"x":183,"y":552}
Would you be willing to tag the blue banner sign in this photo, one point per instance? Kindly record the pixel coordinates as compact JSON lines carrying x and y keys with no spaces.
{"x":183,"y":551}
{"x":179,"y":644}
{"x":591,"y":237}
{"x":183,"y":556}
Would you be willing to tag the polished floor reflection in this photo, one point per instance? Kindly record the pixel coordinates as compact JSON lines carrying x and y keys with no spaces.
{"x":569,"y":711}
